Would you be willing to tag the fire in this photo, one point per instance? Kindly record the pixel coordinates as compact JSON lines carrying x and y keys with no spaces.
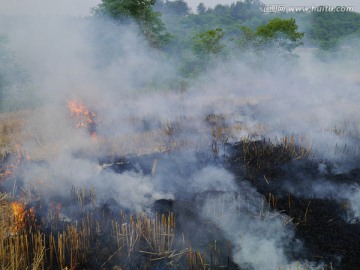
{"x":19,"y":215}
{"x":83,"y":117}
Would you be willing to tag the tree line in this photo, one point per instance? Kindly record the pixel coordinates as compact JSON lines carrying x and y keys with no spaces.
{"x":198,"y":37}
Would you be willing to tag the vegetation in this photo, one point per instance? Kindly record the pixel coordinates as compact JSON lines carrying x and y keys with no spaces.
{"x":27,"y":244}
{"x":103,"y":239}
{"x":178,"y":8}
{"x":277,"y":34}
{"x":323,"y":29}
{"x":327,"y":29}
{"x":267,"y":154}
{"x":11,"y":124}
{"x":141,"y":11}
{"x":12,"y":76}
{"x":208,"y":42}
{"x":195,"y":38}
{"x":37,"y":234}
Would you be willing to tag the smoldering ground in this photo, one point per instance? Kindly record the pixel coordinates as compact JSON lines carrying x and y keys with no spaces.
{"x":111,"y":69}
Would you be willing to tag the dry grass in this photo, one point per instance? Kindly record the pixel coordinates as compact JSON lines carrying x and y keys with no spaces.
{"x":104,"y":242}
{"x":267,"y":154}
{"x":7,"y":219}
{"x":150,"y":236}
{"x":100,"y":241}
{"x":15,"y":246}
{"x":119,"y":240}
{"x":25,"y":245}
{"x":14,"y":132}
{"x":10,"y":131}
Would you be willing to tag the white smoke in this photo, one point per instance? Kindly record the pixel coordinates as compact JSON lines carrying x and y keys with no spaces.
{"x":110,"y":68}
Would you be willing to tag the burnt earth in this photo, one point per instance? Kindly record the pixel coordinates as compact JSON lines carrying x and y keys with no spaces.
{"x":322,"y":224}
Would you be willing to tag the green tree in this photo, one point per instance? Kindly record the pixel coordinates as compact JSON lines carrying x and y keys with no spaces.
{"x":141,"y":11}
{"x":327,"y":29}
{"x":278,"y":26}
{"x":248,"y":38}
{"x":206,"y":46}
{"x":209,"y":42}
{"x":277,"y":33}
{"x":201,"y":9}
{"x":178,"y":7}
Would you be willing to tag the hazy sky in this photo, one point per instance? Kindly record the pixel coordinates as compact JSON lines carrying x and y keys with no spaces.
{"x":82,"y":7}
{"x":47,"y":7}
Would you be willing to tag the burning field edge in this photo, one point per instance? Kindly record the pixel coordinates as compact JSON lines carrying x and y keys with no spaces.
{"x":79,"y":231}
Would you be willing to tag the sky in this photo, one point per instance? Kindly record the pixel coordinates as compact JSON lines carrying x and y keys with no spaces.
{"x":82,"y":7}
{"x":47,"y":7}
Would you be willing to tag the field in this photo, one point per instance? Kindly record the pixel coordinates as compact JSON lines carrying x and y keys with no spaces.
{"x":146,"y":135}
{"x":191,"y":229}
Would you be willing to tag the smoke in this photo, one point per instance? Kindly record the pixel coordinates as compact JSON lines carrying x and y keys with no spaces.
{"x":257,"y":236}
{"x":46,"y":8}
{"x":111,"y":69}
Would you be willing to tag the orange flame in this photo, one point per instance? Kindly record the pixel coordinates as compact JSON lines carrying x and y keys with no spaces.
{"x":84,"y":118}
{"x":19,"y":215}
